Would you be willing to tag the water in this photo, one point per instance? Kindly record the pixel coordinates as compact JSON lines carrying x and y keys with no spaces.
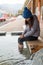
{"x":9,"y":53}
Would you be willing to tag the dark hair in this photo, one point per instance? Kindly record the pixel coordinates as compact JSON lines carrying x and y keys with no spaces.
{"x":26,"y":23}
{"x":30,"y":23}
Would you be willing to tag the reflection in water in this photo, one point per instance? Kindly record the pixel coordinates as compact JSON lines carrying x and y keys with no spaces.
{"x":9,"y":54}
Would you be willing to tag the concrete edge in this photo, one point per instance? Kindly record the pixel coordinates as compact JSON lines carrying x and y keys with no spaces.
{"x":16,"y":33}
{"x":10,"y":33}
{"x":3,"y":34}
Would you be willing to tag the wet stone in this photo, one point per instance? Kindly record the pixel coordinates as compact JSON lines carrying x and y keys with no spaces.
{"x":38,"y":58}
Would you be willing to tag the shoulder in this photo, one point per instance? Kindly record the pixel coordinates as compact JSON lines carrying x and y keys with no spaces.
{"x":35,"y":18}
{"x":36,"y":21}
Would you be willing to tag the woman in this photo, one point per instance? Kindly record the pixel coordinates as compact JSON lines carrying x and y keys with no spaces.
{"x":32,"y":31}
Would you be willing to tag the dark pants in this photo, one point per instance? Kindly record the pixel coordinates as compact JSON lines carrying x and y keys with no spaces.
{"x":30,"y":38}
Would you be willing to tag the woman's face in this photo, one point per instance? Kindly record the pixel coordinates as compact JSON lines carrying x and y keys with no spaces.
{"x":28,"y":19}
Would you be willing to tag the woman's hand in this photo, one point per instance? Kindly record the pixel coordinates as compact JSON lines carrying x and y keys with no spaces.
{"x":21,"y":36}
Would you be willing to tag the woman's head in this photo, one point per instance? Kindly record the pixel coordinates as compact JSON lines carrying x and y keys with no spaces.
{"x":29,"y":21}
{"x":28,"y":16}
{"x":27,"y":13}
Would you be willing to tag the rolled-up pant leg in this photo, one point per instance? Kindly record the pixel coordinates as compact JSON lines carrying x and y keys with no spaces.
{"x":30,"y":38}
{"x":21,"y":40}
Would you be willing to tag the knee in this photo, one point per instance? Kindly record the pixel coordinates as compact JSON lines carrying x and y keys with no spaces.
{"x":20,"y":41}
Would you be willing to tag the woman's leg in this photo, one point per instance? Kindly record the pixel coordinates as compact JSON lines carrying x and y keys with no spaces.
{"x":21,"y":40}
{"x":20,"y":44}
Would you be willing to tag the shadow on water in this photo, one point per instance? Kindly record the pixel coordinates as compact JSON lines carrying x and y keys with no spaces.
{"x":16,"y":58}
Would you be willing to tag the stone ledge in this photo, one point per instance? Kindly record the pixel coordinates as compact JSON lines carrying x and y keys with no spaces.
{"x":34,"y":46}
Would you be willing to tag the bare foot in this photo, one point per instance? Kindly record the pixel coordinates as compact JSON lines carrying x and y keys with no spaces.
{"x":20,"y":47}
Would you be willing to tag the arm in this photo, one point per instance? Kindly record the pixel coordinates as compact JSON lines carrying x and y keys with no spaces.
{"x":24,"y":31}
{"x":29,"y":33}
{"x":33,"y":29}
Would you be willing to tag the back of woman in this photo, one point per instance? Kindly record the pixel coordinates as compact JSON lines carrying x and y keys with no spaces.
{"x":36,"y":25}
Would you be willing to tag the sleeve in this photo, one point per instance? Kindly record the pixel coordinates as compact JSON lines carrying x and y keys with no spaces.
{"x":24,"y":31}
{"x":33,"y":29}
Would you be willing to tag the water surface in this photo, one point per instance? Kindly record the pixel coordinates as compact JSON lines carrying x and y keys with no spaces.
{"x":9,"y":53}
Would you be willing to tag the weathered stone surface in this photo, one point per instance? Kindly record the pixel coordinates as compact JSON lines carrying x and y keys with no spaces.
{"x":38,"y":58}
